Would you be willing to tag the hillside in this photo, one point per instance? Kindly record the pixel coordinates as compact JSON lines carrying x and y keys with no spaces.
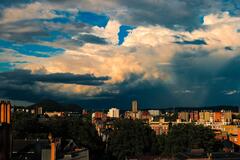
{"x":50,"y":105}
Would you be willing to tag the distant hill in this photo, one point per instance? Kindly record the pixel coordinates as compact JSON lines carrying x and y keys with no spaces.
{"x":212,"y":108}
{"x":50,"y":106}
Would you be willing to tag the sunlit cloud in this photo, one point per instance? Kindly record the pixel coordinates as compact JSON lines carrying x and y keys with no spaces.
{"x":134,"y":47}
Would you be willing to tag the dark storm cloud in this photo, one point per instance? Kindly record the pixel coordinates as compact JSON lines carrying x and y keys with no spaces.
{"x":14,"y":2}
{"x":32,"y":31}
{"x":228,"y":48}
{"x":7,"y":3}
{"x":24,"y":85}
{"x":31,"y":93}
{"x":195,"y":69}
{"x":186,"y":14}
{"x":58,"y":29}
{"x":89,"y":38}
{"x":191,"y":78}
{"x":15,"y":86}
{"x":37,"y":31}
{"x":147,"y":94}
{"x":226,"y":88}
{"x":208,"y":83}
{"x":22,"y":77}
{"x":194,"y":42}
{"x":231,"y":70}
{"x":193,"y":87}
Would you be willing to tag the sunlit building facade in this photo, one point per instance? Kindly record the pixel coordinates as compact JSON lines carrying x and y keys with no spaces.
{"x":113,"y":113}
{"x":5,"y":131}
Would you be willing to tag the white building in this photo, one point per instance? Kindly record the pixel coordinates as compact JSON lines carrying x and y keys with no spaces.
{"x":154,"y":112}
{"x":113,"y":113}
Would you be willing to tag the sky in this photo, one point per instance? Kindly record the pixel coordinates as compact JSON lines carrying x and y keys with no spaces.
{"x":99,"y":53}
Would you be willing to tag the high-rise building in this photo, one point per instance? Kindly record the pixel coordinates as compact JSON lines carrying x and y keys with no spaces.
{"x":5,"y":131}
{"x":191,"y":114}
{"x":201,"y":116}
{"x":194,"y":116}
{"x":134,"y":106}
{"x":217,"y":116}
{"x":113,"y":113}
{"x":183,"y":116}
{"x":5,"y":115}
{"x":207,"y":115}
{"x":226,"y":116}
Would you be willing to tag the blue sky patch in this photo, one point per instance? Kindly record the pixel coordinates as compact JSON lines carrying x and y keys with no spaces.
{"x":201,"y":19}
{"x":123,"y":32}
{"x":93,"y":19}
{"x":38,"y":50}
{"x":6,"y":66}
{"x":31,"y":49}
{"x":5,"y":44}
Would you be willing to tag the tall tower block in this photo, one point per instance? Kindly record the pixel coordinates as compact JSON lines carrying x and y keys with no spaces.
{"x":5,"y":130}
{"x":3,"y":112}
{"x":134,"y":106}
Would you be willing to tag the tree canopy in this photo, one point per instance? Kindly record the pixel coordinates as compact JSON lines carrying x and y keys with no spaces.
{"x":132,"y":138}
{"x":182,"y":137}
{"x":79,"y":129}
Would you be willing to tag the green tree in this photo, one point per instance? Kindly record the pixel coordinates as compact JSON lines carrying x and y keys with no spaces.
{"x":80,"y":130}
{"x":161,"y":139}
{"x":182,"y":137}
{"x":132,"y":138}
{"x":25,"y":125}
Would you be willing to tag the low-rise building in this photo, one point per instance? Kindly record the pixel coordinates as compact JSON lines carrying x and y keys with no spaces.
{"x":159,"y":127}
{"x":184,"y":116}
{"x":54,"y":114}
{"x":113,"y":113}
{"x":154,"y":112}
{"x":233,"y":133}
{"x":226,"y":117}
{"x":43,"y":149}
{"x":217,"y":116}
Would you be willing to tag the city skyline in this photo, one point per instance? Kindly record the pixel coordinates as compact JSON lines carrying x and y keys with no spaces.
{"x":102,"y":54}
